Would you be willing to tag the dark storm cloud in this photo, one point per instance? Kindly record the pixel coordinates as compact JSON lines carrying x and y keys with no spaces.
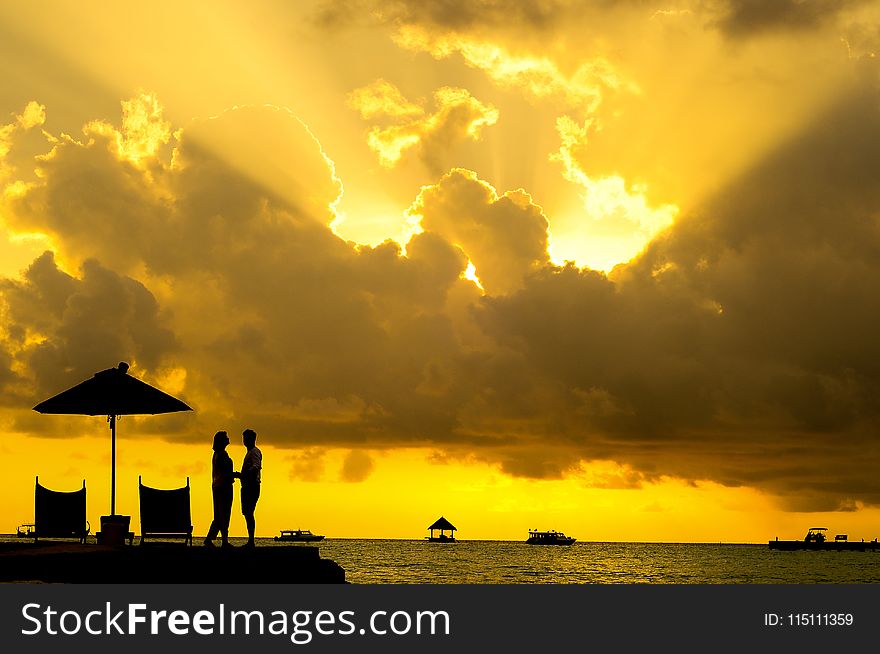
{"x":449,"y":14}
{"x":505,"y":236}
{"x":277,"y":314}
{"x":792,"y":256}
{"x":743,"y":17}
{"x":739,"y":347}
{"x":356,"y":467}
{"x":64,"y":328}
{"x":735,"y":18}
{"x":307,"y":465}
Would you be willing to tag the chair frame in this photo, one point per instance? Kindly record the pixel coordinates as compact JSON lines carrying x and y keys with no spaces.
{"x":62,"y":528}
{"x":168,"y":526}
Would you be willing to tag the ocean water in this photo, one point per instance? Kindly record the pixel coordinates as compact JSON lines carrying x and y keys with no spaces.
{"x":507,"y":562}
{"x":368,"y":561}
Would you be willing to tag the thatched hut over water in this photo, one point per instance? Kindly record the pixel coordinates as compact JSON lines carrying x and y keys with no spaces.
{"x":443,"y":525}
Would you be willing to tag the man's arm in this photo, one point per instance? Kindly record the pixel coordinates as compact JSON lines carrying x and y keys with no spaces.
{"x":249,"y":469}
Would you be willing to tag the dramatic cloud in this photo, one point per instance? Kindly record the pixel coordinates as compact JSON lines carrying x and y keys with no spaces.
{"x":143,"y":130}
{"x":274,"y":312}
{"x":33,"y":115}
{"x":382,"y":98}
{"x":739,"y":17}
{"x":307,"y":465}
{"x":641,"y":94}
{"x":62,"y":329}
{"x":737,"y":348}
{"x":608,"y":200}
{"x":579,"y":88}
{"x":735,"y":18}
{"x":458,"y":117}
{"x":538,"y":76}
{"x":451,"y":14}
{"x":356,"y":467}
{"x":505,"y":237}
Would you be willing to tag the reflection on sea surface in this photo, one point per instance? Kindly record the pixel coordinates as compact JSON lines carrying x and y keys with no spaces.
{"x":501,"y":562}
{"x":507,"y":562}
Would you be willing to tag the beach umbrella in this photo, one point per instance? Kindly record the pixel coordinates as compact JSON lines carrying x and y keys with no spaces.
{"x":112,"y":393}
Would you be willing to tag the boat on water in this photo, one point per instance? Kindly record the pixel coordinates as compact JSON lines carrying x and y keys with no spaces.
{"x":551,"y":537}
{"x":26,"y":531}
{"x":817,"y":539}
{"x":298,"y":536}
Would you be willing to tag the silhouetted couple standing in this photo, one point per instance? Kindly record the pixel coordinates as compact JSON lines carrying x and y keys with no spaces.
{"x":223,"y":477}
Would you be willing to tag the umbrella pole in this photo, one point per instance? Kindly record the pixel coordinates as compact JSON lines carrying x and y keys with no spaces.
{"x":113,"y":465}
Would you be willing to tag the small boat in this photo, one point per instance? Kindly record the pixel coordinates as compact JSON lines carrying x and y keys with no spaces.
{"x":549,"y":538}
{"x":298,"y":536}
{"x":817,"y":540}
{"x":26,"y":531}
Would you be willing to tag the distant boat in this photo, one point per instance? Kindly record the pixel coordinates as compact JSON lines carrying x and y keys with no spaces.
{"x":26,"y":531}
{"x":817,"y":540}
{"x":549,"y":538}
{"x":443,"y":525}
{"x":298,"y":536}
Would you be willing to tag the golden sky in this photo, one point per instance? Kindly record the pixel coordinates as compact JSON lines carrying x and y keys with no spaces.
{"x":605,"y":267}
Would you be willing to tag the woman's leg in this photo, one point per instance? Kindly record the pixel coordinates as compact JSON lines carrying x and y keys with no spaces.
{"x":216,"y":523}
{"x":226,"y":514}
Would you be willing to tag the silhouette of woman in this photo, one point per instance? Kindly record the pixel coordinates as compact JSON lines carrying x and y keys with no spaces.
{"x":221,"y":487}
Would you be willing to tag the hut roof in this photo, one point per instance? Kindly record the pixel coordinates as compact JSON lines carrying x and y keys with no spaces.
{"x":442,"y":523}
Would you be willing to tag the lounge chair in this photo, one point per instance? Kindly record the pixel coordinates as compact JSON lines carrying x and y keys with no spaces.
{"x":60,"y":514}
{"x":165,"y":513}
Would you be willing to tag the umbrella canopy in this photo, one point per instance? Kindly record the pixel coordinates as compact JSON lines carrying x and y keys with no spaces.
{"x":112,"y":393}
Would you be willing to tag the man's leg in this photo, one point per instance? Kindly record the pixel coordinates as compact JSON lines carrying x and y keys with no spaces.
{"x":249,"y":497}
{"x":251,"y":526}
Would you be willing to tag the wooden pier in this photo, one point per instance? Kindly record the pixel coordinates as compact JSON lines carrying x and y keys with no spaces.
{"x":825,"y":546}
{"x":162,"y":563}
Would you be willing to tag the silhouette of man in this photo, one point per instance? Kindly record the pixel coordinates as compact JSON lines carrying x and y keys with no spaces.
{"x":250,"y":481}
{"x":221,"y":488}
